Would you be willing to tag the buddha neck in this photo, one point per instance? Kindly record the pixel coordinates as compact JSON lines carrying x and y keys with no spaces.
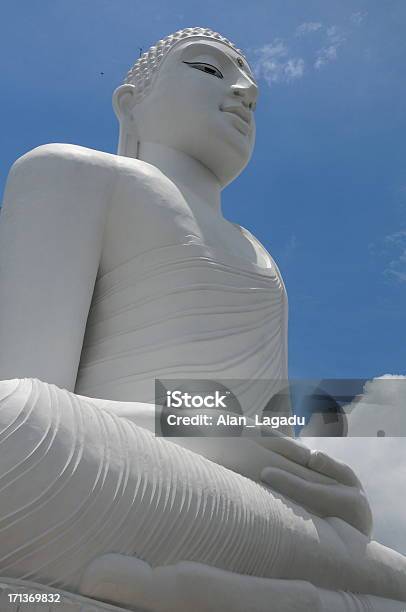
{"x":191,"y":177}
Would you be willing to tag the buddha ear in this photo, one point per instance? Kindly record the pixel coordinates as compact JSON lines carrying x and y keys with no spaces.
{"x":124,"y":101}
{"x":123,"y":104}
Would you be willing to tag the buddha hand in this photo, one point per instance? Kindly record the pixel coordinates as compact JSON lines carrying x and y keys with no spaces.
{"x":340,"y":493}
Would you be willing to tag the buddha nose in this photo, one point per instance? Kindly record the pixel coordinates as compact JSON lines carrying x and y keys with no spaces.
{"x":247,"y":91}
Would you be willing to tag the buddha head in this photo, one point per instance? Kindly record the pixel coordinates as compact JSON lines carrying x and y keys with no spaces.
{"x":193,"y":92}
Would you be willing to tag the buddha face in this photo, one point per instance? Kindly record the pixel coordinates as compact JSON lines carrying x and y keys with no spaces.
{"x":201,"y":103}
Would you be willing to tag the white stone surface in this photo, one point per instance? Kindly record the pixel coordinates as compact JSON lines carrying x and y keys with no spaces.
{"x":203,"y":591}
{"x":115,"y":271}
{"x":173,"y":288}
{"x":79,"y":482}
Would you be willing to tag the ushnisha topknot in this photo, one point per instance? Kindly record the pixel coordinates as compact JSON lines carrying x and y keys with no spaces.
{"x":141,"y":75}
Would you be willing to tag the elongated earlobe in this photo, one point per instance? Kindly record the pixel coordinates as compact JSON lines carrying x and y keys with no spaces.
{"x":123,"y":104}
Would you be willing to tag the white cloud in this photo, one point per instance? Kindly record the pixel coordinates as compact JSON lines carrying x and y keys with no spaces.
{"x":380,"y":408}
{"x":290,"y":248}
{"x":358,"y":17}
{"x":400,"y":276}
{"x":308,"y":27}
{"x":312,"y":45}
{"x":397,"y":238}
{"x":396,"y":245}
{"x":294,"y":68}
{"x":275,"y":64}
{"x":328,"y":53}
{"x":390,"y":253}
{"x":380,"y":464}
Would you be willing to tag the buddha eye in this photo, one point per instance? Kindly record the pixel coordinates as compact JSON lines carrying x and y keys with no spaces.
{"x":208,"y":68}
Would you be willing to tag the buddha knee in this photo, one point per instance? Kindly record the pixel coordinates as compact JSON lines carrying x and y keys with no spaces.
{"x":14,"y":395}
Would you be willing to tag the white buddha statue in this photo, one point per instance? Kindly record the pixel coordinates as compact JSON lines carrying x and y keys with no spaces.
{"x":116,"y":270}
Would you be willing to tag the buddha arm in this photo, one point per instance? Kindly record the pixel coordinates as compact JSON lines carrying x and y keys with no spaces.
{"x":79,"y":482}
{"x":51,"y":230}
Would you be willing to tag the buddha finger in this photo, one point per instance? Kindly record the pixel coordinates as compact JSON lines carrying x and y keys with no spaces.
{"x":284,"y":445}
{"x":344,"y":502}
{"x":323,"y":463}
{"x":275,"y":460}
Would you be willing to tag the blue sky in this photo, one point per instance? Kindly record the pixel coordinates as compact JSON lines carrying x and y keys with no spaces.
{"x":326,"y":188}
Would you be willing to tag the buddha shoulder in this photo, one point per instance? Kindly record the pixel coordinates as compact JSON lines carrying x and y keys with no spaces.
{"x":57,"y":155}
{"x":66,"y":168}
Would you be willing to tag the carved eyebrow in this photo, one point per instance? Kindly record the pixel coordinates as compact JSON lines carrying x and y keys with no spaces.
{"x":208,"y":68}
